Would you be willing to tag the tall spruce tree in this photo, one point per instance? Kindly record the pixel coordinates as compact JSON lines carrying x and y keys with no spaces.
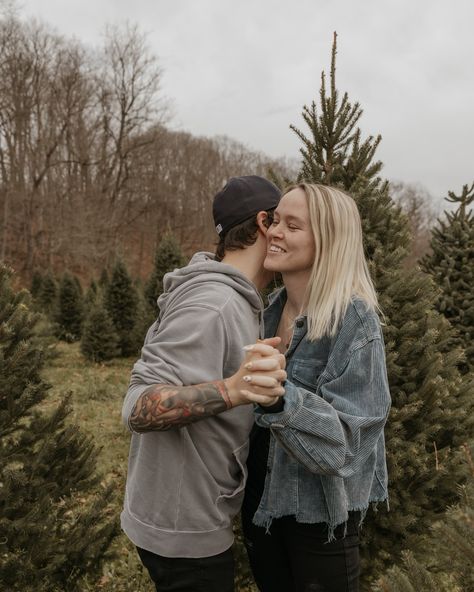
{"x":451,"y":265}
{"x":69,"y":313}
{"x":121,"y":301}
{"x":168,"y":256}
{"x":431,"y":405}
{"x":53,"y":520}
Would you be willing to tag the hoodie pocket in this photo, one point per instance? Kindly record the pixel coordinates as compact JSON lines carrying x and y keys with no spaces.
{"x":229,"y":503}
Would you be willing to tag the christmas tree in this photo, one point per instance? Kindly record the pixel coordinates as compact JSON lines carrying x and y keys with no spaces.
{"x":168,"y":257}
{"x":99,"y":340}
{"x":431,"y":405}
{"x":121,"y":302}
{"x":53,"y":519}
{"x":443,"y":560}
{"x":47,"y":296}
{"x":69,"y":311}
{"x":36,"y":284}
{"x":451,"y":265}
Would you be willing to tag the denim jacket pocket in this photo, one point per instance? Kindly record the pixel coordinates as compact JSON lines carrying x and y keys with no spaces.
{"x":307,"y":372}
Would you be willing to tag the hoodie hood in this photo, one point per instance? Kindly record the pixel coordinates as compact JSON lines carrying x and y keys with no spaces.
{"x":203,"y":268}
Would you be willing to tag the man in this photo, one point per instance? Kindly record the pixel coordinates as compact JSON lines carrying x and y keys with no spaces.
{"x":189,"y":445}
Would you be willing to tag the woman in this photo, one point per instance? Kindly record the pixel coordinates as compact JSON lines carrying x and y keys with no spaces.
{"x":317,"y":458}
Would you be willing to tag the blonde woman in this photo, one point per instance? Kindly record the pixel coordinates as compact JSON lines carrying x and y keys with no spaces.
{"x":317,"y":457}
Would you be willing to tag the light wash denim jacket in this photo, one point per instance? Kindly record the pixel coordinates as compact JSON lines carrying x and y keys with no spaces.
{"x":327,"y":450}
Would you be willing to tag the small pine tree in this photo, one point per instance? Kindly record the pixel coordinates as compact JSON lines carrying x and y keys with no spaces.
{"x":104,"y":280}
{"x":121,"y":302}
{"x":99,"y":339}
{"x":168,"y":257}
{"x":47,"y":296}
{"x":431,"y":405}
{"x":50,"y":539}
{"x":451,"y":265}
{"x":70,"y":309}
{"x":36,"y":284}
{"x":91,"y":297}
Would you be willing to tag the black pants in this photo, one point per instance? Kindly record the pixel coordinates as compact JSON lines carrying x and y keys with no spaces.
{"x":176,"y":574}
{"x":296,"y":557}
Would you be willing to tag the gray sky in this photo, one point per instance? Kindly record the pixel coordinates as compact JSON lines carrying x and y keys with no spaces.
{"x":245,"y":68}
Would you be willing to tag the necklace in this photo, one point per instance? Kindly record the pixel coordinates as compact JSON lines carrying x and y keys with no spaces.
{"x":287,"y":327}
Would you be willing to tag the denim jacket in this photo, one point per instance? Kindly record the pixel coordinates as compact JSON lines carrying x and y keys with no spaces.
{"x":327,"y":450}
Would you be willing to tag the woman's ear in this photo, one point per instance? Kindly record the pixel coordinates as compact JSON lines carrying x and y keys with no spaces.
{"x":263,"y":222}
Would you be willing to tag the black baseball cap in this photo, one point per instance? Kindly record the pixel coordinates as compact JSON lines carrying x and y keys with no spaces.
{"x":241,"y":198}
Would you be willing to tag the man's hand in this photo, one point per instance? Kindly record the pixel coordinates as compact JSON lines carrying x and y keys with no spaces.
{"x":260,"y":375}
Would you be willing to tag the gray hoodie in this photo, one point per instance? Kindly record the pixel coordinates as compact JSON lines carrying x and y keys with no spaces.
{"x":186,"y":484}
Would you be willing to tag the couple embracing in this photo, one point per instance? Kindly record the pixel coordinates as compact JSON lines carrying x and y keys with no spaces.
{"x":279,"y":413}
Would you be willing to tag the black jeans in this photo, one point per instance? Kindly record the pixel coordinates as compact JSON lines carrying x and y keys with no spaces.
{"x":296,"y":557}
{"x":177,"y":574}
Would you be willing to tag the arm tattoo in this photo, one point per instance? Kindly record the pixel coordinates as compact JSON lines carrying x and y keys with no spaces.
{"x":164,"y":406}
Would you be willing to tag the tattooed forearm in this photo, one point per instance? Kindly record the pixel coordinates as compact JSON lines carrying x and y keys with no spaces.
{"x":163,"y":406}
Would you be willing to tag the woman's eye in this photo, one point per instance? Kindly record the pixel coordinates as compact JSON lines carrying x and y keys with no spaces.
{"x":291,"y":227}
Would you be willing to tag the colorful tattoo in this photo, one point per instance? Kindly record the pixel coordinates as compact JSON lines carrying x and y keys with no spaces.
{"x":164,"y":406}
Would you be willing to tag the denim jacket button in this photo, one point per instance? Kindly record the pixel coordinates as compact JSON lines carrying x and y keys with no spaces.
{"x":299,"y":323}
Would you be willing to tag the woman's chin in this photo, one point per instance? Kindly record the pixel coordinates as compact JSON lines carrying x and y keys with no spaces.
{"x":270,"y":265}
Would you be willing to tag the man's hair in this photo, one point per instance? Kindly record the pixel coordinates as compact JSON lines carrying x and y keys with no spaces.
{"x":241,"y":235}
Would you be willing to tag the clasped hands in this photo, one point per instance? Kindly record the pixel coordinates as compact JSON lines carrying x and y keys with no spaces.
{"x":260,"y":376}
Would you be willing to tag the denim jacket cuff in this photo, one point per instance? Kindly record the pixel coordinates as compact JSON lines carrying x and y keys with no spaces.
{"x":293,"y":400}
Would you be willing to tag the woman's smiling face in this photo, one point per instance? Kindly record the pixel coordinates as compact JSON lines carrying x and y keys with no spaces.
{"x":290,"y":237}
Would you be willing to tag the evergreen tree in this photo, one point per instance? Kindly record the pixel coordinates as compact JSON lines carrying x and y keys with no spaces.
{"x":451,"y":265}
{"x":121,"y":302}
{"x":168,"y":257}
{"x":99,"y":339}
{"x":70,"y":309}
{"x":47,"y":296}
{"x":442,"y":561}
{"x":91,"y":297}
{"x":104,"y":280}
{"x":431,"y":406}
{"x":49,"y":539}
{"x":36,"y":284}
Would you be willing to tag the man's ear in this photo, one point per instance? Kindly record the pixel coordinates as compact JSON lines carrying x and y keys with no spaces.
{"x":262,"y":221}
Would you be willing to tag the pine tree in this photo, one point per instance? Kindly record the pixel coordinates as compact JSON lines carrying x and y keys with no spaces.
{"x":70,"y":309}
{"x":99,"y":339}
{"x":443,"y":560}
{"x":91,"y":297}
{"x":36,"y":284}
{"x":431,"y":405}
{"x":53,"y":519}
{"x":168,"y":257}
{"x":47,"y":297}
{"x":104,"y":280}
{"x":121,"y":302}
{"x":451,"y":265}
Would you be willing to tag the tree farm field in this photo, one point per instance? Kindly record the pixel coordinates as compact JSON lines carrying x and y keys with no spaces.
{"x":97,"y":392}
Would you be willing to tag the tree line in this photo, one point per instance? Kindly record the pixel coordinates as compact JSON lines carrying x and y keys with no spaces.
{"x":88,"y":168}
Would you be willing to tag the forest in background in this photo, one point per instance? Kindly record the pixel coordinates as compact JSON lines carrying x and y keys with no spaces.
{"x":90,"y":169}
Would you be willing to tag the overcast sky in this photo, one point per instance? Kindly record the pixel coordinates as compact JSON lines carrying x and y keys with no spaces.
{"x":245,"y":68}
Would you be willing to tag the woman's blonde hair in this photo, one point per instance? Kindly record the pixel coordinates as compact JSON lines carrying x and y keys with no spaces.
{"x":340,"y":269}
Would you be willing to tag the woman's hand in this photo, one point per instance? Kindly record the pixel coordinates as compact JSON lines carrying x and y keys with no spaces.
{"x":260,"y":375}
